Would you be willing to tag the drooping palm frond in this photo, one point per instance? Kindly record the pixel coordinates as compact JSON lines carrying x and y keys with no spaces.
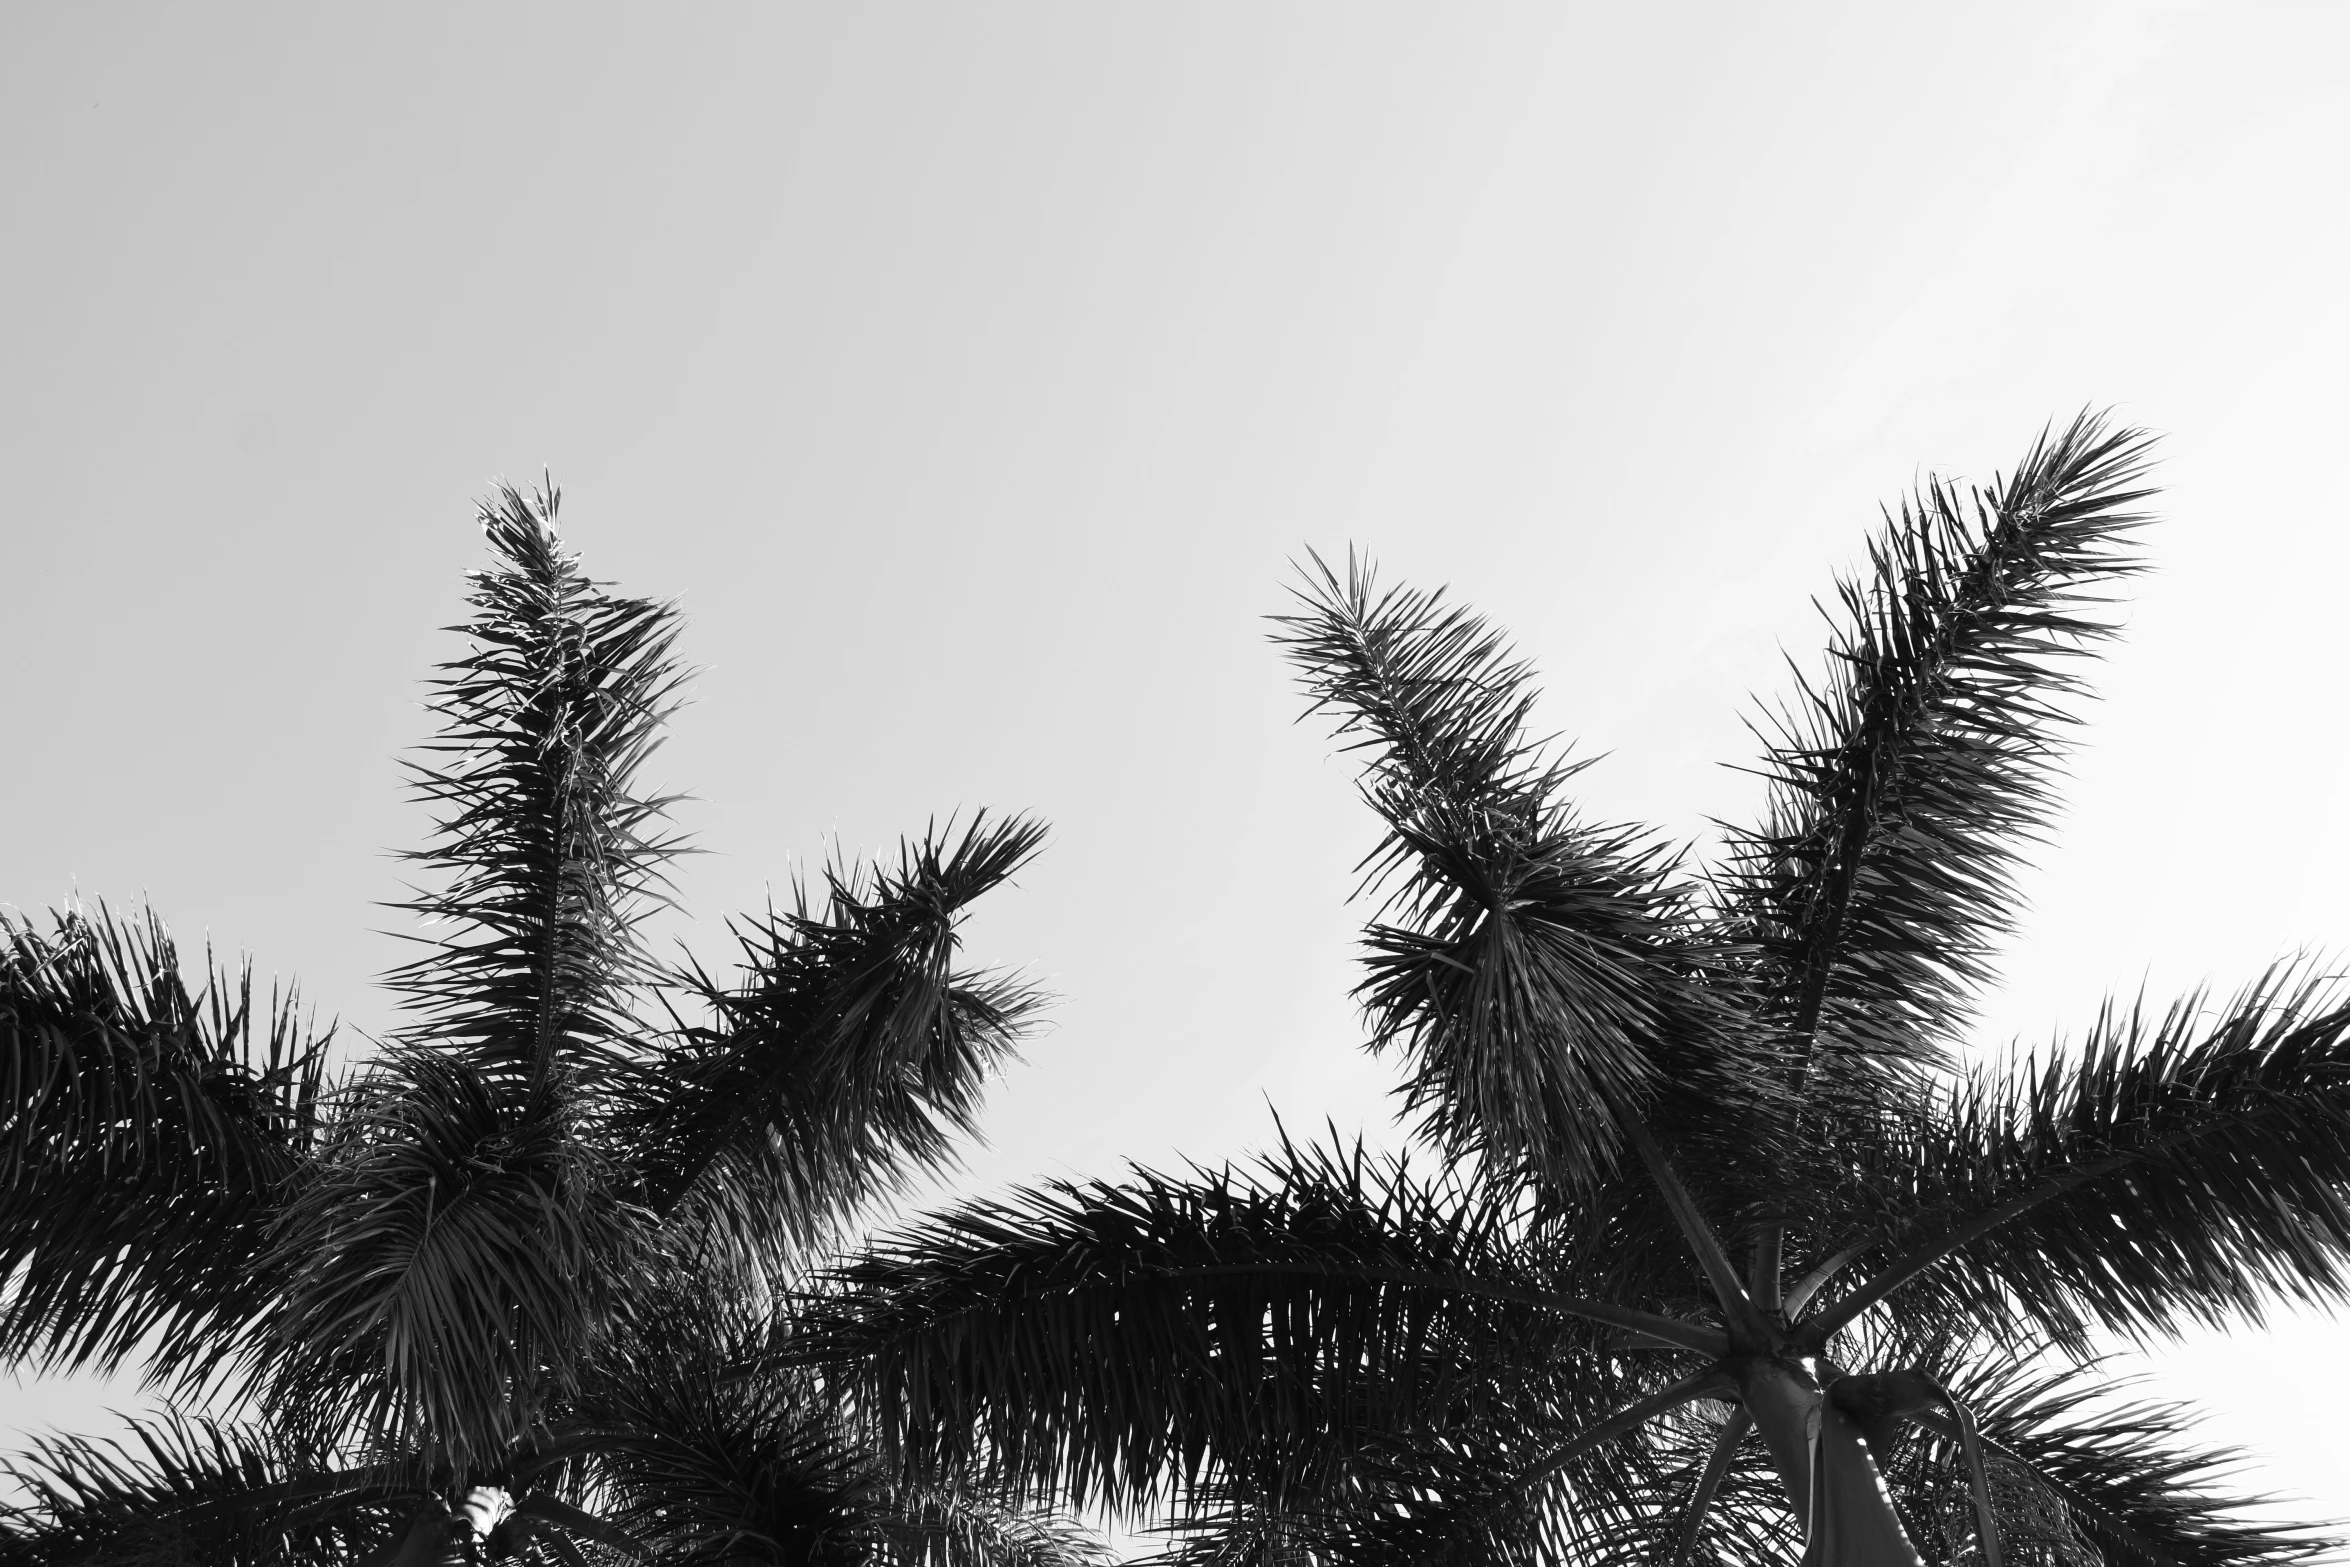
{"x":2187,"y":1166}
{"x":1904,"y":784}
{"x":1504,"y":1493}
{"x":1540,"y":972}
{"x":2082,"y":1478}
{"x":702,"y":1447}
{"x":851,"y":1051}
{"x":1233,"y":1526}
{"x":1486,"y":1478}
{"x":147,"y":1130}
{"x":181,"y":1491}
{"x":548,"y":852}
{"x":933,"y":1527}
{"x":1111,"y":1343}
{"x":718,"y":1483}
{"x":447,"y":1260}
{"x":541,"y":1529}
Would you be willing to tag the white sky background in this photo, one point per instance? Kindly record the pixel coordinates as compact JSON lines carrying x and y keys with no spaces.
{"x":971,"y":372}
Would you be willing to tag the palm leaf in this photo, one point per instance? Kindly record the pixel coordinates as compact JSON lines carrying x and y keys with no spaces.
{"x":147,"y":1131}
{"x":189,"y":1492}
{"x":934,"y":1527}
{"x":1494,"y":1495}
{"x":705,"y":1461}
{"x":2187,"y":1166}
{"x":2081,"y":1477}
{"x":1902,"y":787}
{"x":850,"y":1053}
{"x":1539,"y":972}
{"x":446,"y":1255}
{"x":447,"y":1261}
{"x":549,"y":854}
{"x":1116,"y":1342}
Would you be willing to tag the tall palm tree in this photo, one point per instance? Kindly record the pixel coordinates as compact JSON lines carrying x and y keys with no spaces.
{"x":1729,"y":1251}
{"x":512,"y":1287}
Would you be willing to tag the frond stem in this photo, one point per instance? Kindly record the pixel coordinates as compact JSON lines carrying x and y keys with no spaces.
{"x":1712,"y":1381}
{"x":1764,"y":1272}
{"x":1746,"y":1320}
{"x":1717,"y":1465}
{"x":1970,"y":1446}
{"x":1800,"y":1295}
{"x":2103,"y":1520}
{"x":609,"y":1535}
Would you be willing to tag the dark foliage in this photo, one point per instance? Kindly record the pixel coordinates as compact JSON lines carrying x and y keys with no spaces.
{"x":849,"y":1052}
{"x":431,"y":1291}
{"x":1737,"y":1261}
{"x":147,"y":1131}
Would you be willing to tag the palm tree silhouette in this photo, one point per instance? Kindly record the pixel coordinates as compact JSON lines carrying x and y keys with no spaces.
{"x":1716,"y":1248}
{"x":512,"y":1289}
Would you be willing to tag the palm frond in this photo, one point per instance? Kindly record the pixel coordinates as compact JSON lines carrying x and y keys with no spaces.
{"x":548,"y":854}
{"x":2082,"y":1479}
{"x":1110,"y":1343}
{"x":1749,"y":1522}
{"x":447,"y":1261}
{"x":1905,"y":783}
{"x":1538,"y":971}
{"x":147,"y":1130}
{"x":2186,"y":1166}
{"x":706,"y":1451}
{"x":945,"y":1527}
{"x":181,"y":1491}
{"x":850,"y":1052}
{"x":1496,"y":1495}
{"x":1502,"y":1482}
{"x":543,"y":1530}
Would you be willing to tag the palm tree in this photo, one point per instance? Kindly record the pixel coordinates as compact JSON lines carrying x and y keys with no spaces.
{"x":526,"y":1266}
{"x":1715,"y":1245}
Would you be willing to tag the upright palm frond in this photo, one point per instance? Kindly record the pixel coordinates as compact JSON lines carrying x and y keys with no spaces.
{"x":1903,"y":784}
{"x":550,"y":853}
{"x":851,"y":1051}
{"x":146,"y":1131}
{"x":1540,"y":972}
{"x":444,"y":1253}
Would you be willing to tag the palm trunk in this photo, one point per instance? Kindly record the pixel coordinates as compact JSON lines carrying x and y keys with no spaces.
{"x":1830,"y":1477}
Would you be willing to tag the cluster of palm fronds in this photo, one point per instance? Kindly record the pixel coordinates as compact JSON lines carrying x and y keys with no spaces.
{"x":1736,"y":1255}
{"x":1731,"y":1251}
{"x":516,"y":1285}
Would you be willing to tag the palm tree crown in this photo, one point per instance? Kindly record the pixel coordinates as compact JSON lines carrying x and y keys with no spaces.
{"x":1730,"y":1254}
{"x":532,"y":1256}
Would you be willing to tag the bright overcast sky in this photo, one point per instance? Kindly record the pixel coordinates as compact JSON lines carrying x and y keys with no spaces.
{"x":971,"y":372}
